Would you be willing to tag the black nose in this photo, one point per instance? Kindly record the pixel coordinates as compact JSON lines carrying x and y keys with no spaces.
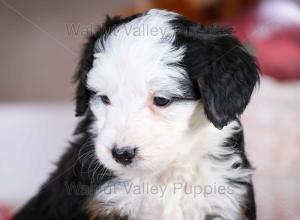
{"x":124,"y":155}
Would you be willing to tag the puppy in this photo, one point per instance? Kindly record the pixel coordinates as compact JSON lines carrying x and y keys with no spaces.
{"x":160,"y":136}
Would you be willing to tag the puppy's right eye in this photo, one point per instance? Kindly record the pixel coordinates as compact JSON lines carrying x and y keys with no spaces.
{"x":161,"y":101}
{"x":104,"y":99}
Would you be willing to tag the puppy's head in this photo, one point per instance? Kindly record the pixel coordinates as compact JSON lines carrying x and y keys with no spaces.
{"x":153,"y":81}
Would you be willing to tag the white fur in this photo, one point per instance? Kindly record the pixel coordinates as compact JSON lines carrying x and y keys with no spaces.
{"x":174,"y":143}
{"x":195,"y":169}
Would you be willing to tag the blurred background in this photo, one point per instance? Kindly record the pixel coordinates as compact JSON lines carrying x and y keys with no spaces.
{"x":40,"y":42}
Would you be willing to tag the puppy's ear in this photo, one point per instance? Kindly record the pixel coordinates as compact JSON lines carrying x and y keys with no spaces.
{"x":229,"y":78}
{"x":85,"y":64}
{"x":230,"y":75}
{"x":225,"y":73}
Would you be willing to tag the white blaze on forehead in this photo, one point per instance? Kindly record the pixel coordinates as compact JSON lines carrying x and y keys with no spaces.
{"x":140,"y":51}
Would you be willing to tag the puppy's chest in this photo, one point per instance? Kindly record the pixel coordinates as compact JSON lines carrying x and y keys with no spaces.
{"x":176,"y":200}
{"x":144,"y":200}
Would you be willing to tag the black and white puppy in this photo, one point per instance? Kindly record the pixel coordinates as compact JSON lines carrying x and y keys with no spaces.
{"x":160,"y":136}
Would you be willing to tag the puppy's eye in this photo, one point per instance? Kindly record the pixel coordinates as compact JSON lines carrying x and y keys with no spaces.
{"x":104,"y":99}
{"x":161,"y":101}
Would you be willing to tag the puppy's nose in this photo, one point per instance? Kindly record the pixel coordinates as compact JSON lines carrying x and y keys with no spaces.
{"x":124,"y":155}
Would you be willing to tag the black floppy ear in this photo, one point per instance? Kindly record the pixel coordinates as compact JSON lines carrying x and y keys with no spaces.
{"x":85,"y":64}
{"x":224,"y":71}
{"x":230,"y":77}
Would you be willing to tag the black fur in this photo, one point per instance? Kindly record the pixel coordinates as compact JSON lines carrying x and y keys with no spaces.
{"x":222,"y":76}
{"x":225,"y":73}
{"x":237,"y":142}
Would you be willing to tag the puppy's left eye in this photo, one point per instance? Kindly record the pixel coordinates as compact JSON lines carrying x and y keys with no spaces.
{"x":104,"y":99}
{"x":161,"y":101}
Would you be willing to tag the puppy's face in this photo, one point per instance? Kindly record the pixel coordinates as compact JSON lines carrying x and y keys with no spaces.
{"x":144,"y":107}
{"x":142,"y":101}
{"x":150,"y":96}
{"x":139,"y":111}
